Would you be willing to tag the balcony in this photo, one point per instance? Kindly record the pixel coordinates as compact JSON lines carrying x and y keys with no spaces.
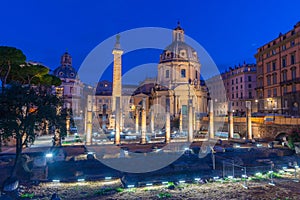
{"x":289,"y":82}
{"x":259,"y":88}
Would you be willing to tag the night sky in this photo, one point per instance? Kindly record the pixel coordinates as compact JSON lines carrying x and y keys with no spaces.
{"x":230,"y":30}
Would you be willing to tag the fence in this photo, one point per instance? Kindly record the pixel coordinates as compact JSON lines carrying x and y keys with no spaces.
{"x":230,"y":169}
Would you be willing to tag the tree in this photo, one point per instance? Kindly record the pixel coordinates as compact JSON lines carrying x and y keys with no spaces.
{"x":10,"y":57}
{"x":23,"y":109}
{"x":35,"y":74}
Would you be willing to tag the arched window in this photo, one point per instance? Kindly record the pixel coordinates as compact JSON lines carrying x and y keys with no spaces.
{"x":284,"y":75}
{"x":293,"y":71}
{"x":167,"y":73}
{"x":274,"y":76}
{"x":183,"y":73}
{"x":268,"y":80}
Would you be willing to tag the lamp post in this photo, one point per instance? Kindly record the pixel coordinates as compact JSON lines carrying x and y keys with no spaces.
{"x":256,"y":105}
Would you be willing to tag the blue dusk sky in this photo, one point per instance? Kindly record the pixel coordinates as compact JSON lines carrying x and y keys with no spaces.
{"x":229,"y":30}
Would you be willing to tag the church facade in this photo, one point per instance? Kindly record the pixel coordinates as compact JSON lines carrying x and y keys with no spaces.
{"x":175,"y":90}
{"x":178,"y":82}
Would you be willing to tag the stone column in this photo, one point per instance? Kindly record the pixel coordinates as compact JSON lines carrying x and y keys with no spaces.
{"x":143,"y":129}
{"x":89,"y":120}
{"x":104,"y":118}
{"x":152,"y":121}
{"x":180,"y":122}
{"x":211,"y":120}
{"x":121,"y":119}
{"x":117,"y":121}
{"x":249,"y":125}
{"x":168,"y":126}
{"x":143,"y":124}
{"x":68,"y":125}
{"x":117,"y":72}
{"x":137,"y":116}
{"x":190,"y":122}
{"x":230,"y":121}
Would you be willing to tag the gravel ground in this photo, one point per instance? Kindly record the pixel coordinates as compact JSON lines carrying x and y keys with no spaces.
{"x":99,"y":190}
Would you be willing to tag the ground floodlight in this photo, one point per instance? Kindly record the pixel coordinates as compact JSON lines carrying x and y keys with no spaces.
{"x":49,"y":155}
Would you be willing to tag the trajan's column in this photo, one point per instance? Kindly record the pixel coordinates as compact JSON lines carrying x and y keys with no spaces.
{"x":117,"y":87}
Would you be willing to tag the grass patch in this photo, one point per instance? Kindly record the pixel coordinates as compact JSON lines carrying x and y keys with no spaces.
{"x":131,"y":190}
{"x":27,"y":195}
{"x":119,"y":189}
{"x":104,"y":191}
{"x":275,"y":175}
{"x":164,"y":195}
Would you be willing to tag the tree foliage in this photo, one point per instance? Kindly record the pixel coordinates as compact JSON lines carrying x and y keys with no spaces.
{"x":35,"y":74}
{"x":10,"y":58}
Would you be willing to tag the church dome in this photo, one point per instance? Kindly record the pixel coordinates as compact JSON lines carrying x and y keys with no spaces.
{"x":65,"y":70}
{"x":178,"y":50}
